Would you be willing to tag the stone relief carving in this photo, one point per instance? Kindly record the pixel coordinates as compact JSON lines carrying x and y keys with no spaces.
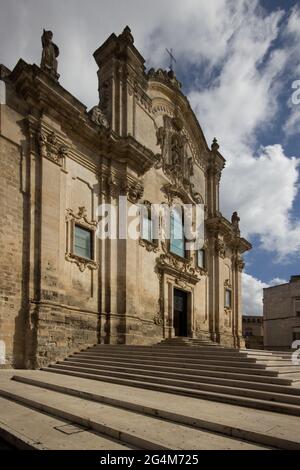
{"x":80,"y":217}
{"x":98,"y":117}
{"x":49,"y":54}
{"x":165,"y":76}
{"x":82,"y":263}
{"x":175,"y":161}
{"x":114,"y":187}
{"x":220,"y":248}
{"x":182,"y":269}
{"x":51,"y":148}
{"x":150,"y":246}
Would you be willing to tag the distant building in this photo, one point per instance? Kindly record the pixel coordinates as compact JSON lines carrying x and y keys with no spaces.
{"x":282,"y":314}
{"x":253,"y":331}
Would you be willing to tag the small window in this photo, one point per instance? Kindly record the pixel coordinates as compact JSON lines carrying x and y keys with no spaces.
{"x":147,"y":224}
{"x":201,"y":258}
{"x":227,"y":298}
{"x":83,"y":242}
{"x":297,"y":307}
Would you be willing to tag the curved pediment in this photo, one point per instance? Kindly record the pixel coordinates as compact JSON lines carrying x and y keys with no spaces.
{"x":168,"y":101}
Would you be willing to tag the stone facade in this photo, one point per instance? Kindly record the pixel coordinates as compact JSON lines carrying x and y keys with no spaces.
{"x":282,"y":314}
{"x":253,"y":331}
{"x":59,"y":162}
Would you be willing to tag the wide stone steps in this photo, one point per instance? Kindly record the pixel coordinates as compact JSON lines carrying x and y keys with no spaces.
{"x":28,"y":428}
{"x":260,"y":404}
{"x":262,"y":427}
{"x":290,"y":398}
{"x":199,"y":360}
{"x":131,"y":428}
{"x":259,"y":375}
{"x":189,"y":375}
{"x":175,"y":362}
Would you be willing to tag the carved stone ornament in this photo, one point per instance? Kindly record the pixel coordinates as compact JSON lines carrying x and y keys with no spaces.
{"x":227,"y":283}
{"x":82,"y":218}
{"x":181,"y":269}
{"x":220,"y":248}
{"x":158,"y":319}
{"x":175,"y":160}
{"x":81,"y":262}
{"x":98,"y":117}
{"x":50,"y":148}
{"x":150,"y":246}
{"x":114,"y":187}
{"x":164,"y":76}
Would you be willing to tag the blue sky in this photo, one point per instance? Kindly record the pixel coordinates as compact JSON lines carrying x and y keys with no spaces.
{"x":237,"y":60}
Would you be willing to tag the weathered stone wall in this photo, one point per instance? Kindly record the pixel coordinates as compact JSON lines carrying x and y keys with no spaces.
{"x":280,"y":319}
{"x":12,"y":276}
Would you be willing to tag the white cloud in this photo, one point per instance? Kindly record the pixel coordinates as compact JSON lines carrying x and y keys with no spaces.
{"x":232,"y":37}
{"x":253,"y":293}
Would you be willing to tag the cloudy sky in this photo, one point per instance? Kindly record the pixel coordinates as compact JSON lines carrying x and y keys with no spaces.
{"x":237,"y":60}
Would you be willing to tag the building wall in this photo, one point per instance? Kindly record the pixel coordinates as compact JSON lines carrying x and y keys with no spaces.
{"x":12,"y":240}
{"x":253,"y":331}
{"x":60,"y":163}
{"x":281,"y":320}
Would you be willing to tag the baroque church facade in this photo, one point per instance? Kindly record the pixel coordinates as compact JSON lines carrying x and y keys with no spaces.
{"x":62,"y":287}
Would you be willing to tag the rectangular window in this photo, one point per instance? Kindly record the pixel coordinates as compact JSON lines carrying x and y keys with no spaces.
{"x":177,"y":241}
{"x":297,"y":307}
{"x":201,"y":258}
{"x":227,"y":298}
{"x":147,"y":227}
{"x":83,"y":242}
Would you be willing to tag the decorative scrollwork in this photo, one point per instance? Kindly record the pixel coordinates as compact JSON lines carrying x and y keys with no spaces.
{"x":50,"y":148}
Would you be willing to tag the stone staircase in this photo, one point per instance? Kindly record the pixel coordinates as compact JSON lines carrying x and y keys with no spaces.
{"x":179,"y":394}
{"x":257,"y":379}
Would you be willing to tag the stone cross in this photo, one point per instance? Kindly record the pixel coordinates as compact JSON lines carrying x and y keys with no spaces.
{"x":172,"y":58}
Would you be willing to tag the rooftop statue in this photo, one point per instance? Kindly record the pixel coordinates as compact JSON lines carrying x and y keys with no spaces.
{"x":49,"y":55}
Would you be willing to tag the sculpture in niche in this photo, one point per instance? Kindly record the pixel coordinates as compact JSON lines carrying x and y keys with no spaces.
{"x":175,"y":160}
{"x":49,"y":54}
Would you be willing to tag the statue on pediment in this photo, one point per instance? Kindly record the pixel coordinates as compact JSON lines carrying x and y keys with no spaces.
{"x":49,"y":55}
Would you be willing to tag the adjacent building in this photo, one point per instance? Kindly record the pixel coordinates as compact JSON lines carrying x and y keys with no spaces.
{"x":282,"y":314}
{"x":253,"y":331}
{"x":62,"y":286}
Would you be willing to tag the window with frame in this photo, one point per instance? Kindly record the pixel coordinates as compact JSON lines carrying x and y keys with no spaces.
{"x":228,"y":298}
{"x":146,"y":220}
{"x":83,"y":242}
{"x":201,"y":258}
{"x":177,"y":239}
{"x":297,"y":307}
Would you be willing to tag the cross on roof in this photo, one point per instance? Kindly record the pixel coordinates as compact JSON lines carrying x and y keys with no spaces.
{"x":172,"y":58}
